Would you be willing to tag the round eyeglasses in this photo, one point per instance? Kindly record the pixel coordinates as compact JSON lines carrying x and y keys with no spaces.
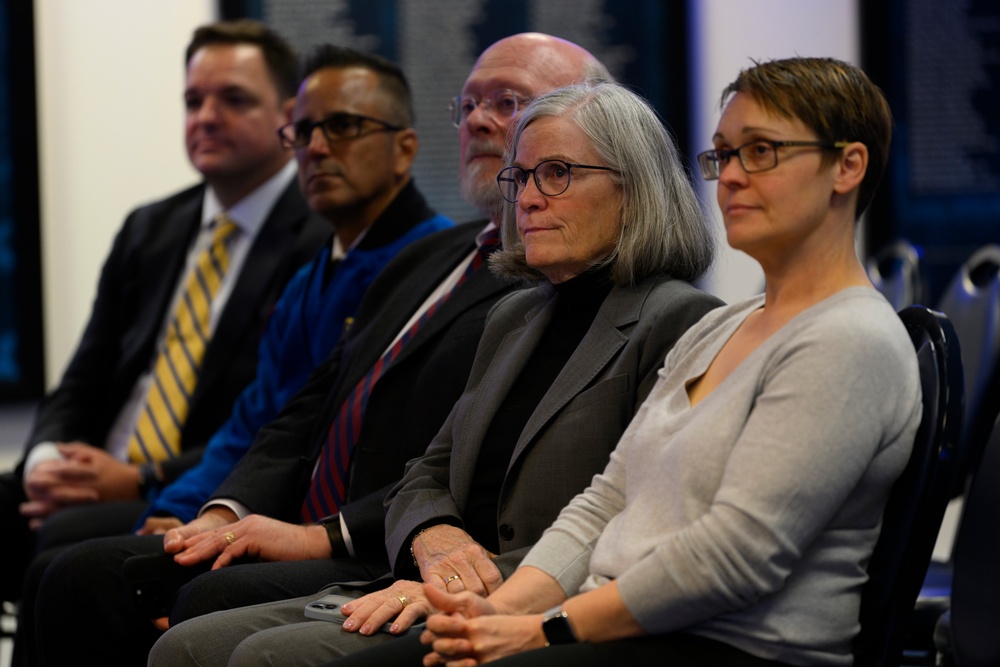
{"x":339,"y":126}
{"x":552,"y":177}
{"x":755,"y":156}
{"x":500,"y":104}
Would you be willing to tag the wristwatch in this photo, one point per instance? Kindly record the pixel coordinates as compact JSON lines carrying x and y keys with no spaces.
{"x":338,"y":546}
{"x":556,"y":627}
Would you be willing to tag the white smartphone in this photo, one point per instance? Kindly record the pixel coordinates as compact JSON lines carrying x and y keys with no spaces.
{"x":327,"y":608}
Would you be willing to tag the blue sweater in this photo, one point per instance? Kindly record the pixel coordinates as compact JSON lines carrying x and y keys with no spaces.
{"x":307,"y":322}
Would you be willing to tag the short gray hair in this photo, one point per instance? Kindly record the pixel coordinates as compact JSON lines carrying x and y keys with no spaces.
{"x":664,"y":228}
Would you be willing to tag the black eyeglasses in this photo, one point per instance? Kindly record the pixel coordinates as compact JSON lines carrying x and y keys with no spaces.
{"x":500,"y":104}
{"x":755,"y":156}
{"x":552,"y":178}
{"x":336,"y":127}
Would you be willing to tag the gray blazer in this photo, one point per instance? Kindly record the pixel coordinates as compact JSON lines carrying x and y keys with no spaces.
{"x":569,"y":437}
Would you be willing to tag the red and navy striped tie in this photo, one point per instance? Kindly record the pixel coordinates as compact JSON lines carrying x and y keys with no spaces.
{"x":328,"y":489}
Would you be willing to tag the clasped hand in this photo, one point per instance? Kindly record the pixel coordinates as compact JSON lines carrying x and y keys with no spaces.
{"x":450,"y":561}
{"x":85,"y":474}
{"x":472,"y":630}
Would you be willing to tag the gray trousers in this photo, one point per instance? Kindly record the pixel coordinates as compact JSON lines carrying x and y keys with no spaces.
{"x":274,"y":633}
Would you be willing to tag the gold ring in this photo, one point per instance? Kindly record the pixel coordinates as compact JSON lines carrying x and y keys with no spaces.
{"x":451,"y":579}
{"x":230,"y":538}
{"x":403,"y":601}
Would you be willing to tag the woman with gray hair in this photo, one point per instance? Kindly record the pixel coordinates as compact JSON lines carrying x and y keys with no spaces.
{"x":603,"y":222}
{"x":659,"y":229}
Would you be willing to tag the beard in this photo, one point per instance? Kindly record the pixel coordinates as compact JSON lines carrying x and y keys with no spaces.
{"x":477,"y":179}
{"x":479,"y":188}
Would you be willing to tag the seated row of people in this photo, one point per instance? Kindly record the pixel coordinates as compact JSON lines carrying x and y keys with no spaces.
{"x":575,"y":453}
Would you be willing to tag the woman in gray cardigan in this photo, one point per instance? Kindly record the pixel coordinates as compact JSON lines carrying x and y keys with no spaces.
{"x":735,"y":519}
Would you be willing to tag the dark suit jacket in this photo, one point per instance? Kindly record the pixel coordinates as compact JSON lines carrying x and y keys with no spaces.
{"x":134,"y":293}
{"x":407,"y":406}
{"x":572,"y":431}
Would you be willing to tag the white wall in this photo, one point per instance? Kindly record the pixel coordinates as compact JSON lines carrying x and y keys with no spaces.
{"x":726,"y":34}
{"x":110,"y":85}
{"x":110,"y":80}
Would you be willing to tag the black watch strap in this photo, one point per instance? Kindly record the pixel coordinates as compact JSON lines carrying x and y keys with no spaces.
{"x":557,"y":629}
{"x":338,"y":547}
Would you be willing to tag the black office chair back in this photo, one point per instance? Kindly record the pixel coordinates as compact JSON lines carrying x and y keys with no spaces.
{"x":975,"y":594}
{"x":895,"y":272}
{"x":919,"y":497}
{"x":972,"y":303}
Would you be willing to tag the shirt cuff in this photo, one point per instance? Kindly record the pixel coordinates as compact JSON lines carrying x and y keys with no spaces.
{"x":346,"y":534}
{"x":41,"y":452}
{"x":238,"y":508}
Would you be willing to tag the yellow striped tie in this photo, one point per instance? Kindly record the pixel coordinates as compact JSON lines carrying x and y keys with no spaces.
{"x":157,"y":433}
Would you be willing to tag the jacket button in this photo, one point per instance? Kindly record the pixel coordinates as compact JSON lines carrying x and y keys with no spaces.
{"x":506,"y":532}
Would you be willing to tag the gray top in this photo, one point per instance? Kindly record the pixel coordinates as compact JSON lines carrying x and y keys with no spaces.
{"x":751,"y":517}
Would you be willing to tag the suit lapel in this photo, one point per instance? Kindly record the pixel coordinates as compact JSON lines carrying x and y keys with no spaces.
{"x":506,"y":364}
{"x":596,"y":351}
{"x":163,"y":258}
{"x":396,"y":312}
{"x":480,"y":286}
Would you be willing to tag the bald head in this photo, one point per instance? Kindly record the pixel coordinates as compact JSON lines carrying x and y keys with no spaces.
{"x":529,"y":64}
{"x":548,"y":62}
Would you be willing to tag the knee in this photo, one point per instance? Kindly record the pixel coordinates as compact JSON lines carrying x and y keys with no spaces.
{"x":253,"y":653}
{"x":171,"y":649}
{"x":38,"y":566}
{"x":63,"y":569}
{"x":203,"y":594}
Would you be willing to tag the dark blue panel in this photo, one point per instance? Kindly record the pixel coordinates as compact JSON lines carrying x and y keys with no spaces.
{"x":939,"y":64}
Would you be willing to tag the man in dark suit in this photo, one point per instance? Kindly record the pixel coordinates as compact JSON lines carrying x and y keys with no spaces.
{"x":258,"y":510}
{"x":240,"y":82}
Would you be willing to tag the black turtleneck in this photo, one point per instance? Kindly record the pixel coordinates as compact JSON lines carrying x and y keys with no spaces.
{"x":576,"y":304}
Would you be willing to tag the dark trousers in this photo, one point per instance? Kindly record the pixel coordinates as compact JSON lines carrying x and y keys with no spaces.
{"x":85,"y":584}
{"x":19,"y":541}
{"x":675,"y":650}
{"x":69,"y":526}
{"x":62,"y":530}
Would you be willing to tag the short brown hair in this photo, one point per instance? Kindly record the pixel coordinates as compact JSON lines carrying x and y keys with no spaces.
{"x":834,"y":99}
{"x":282,"y":61}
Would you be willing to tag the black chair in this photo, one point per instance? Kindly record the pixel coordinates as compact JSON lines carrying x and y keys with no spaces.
{"x":972,"y":303}
{"x":967,"y":636}
{"x":919,"y":497}
{"x":895,"y":272}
